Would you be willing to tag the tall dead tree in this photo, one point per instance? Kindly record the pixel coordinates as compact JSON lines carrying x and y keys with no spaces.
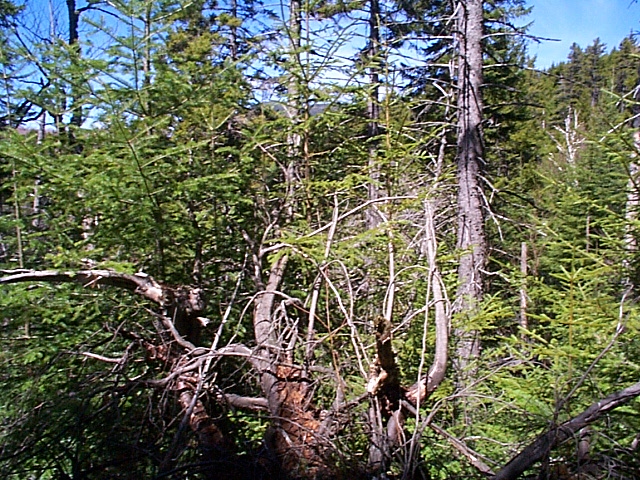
{"x":631,"y":214}
{"x":74,"y":50}
{"x":471,"y":241}
{"x":373,"y":110}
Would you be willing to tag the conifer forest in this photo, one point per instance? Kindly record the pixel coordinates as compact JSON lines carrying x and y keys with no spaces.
{"x":315,"y":239}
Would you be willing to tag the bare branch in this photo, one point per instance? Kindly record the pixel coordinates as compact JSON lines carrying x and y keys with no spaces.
{"x":169,"y":325}
{"x":546,"y":442}
{"x":248,"y":403}
{"x":318,"y":282}
{"x":418,"y":392}
{"x":357,"y":209}
{"x":139,"y":283}
{"x":462,"y":447}
{"x":102,"y":358}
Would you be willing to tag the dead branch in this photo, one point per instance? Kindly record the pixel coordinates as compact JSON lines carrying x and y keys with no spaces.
{"x":175,"y":374}
{"x":546,"y":442}
{"x":181,"y":305}
{"x":247,"y":403}
{"x":462,"y":447}
{"x":102,"y":358}
{"x":418,"y":392}
{"x":317,"y":284}
{"x":139,"y":283}
{"x":357,"y":209}
{"x":210,"y":438}
{"x":169,"y":325}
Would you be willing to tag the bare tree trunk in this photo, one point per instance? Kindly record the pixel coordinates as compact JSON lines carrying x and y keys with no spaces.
{"x":76,"y":108}
{"x":523,"y":286}
{"x":631,"y":214}
{"x":265,"y":335}
{"x":373,"y":111}
{"x":292,"y":174}
{"x":42,"y":126}
{"x":471,"y":234}
{"x":293,"y":436}
{"x":234,"y":31}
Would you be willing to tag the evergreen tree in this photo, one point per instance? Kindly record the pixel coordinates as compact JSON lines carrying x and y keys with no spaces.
{"x":242,"y":267}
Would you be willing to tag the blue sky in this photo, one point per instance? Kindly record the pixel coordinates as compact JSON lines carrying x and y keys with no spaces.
{"x":569,"y":21}
{"x":579,"y":21}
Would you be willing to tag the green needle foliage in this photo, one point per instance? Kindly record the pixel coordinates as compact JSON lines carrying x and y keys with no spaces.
{"x":223,"y":141}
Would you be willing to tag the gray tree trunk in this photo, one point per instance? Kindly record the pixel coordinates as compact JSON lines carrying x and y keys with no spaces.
{"x":74,"y":18}
{"x":631,"y":214}
{"x":471,"y":234}
{"x":373,"y":111}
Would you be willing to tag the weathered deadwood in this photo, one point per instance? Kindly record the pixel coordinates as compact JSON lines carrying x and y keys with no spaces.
{"x":460,"y":446}
{"x":294,"y":436}
{"x":263,"y":328}
{"x":246,"y":403}
{"x":210,"y":437}
{"x":384,"y":378}
{"x":171,"y":327}
{"x":265,"y":337}
{"x":138,"y":283}
{"x":384,"y":386}
{"x":182,"y":304}
{"x":546,"y":442}
{"x":419,"y":391}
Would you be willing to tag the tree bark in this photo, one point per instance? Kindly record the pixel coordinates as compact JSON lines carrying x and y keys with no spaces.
{"x":471,"y":234}
{"x":373,"y":112}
